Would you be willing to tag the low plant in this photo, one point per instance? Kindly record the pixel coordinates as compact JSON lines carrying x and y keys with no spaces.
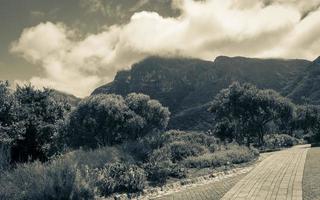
{"x":120,"y":177}
{"x":181,"y":150}
{"x":231,"y":155}
{"x":276,"y":141}
{"x":97,"y":158}
{"x":57,"y":180}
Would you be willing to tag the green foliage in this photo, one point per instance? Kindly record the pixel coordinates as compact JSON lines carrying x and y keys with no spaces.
{"x":54,"y":180}
{"x":245,"y":111}
{"x":109,"y":119}
{"x":120,"y":177}
{"x":233,"y":154}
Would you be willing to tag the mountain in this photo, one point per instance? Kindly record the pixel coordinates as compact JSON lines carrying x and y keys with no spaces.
{"x":62,"y":96}
{"x":306,"y":88}
{"x":187,"y":86}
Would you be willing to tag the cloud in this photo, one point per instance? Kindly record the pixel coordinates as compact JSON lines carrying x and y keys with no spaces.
{"x":205,"y":29}
{"x":93,"y":6}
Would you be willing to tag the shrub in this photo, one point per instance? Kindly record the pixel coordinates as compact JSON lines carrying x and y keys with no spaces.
{"x":231,"y":155}
{"x":97,"y":158}
{"x":160,"y":172}
{"x":119,"y":177}
{"x":275,"y":141}
{"x":142,"y":148}
{"x":182,"y":144}
{"x":54,"y":180}
{"x":193,"y":137}
{"x":180,"y":150}
{"x":160,"y":167}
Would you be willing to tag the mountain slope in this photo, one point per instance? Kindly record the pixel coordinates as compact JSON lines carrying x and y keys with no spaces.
{"x":187,"y":85}
{"x":306,"y":89}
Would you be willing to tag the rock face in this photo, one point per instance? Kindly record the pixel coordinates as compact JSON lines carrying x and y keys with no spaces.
{"x":187,"y":86}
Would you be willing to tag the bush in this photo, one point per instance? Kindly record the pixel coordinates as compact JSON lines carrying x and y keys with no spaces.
{"x":193,"y":137}
{"x":160,"y":167}
{"x":181,"y":144}
{"x":54,"y":180}
{"x":97,"y":158}
{"x":160,"y":172}
{"x":180,"y":150}
{"x":119,"y":177}
{"x":276,"y":141}
{"x":231,"y":155}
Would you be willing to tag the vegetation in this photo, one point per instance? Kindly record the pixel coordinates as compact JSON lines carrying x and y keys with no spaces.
{"x":246,"y":114}
{"x":55,"y":180}
{"x":120,"y":177}
{"x":112,"y":144}
{"x":29,"y":121}
{"x":278,"y":141}
{"x":308,"y":120}
{"x":185,"y":85}
{"x":110,"y":119}
{"x":233,"y":154}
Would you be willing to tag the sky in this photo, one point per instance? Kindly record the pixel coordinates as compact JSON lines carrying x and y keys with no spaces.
{"x":77,"y":45}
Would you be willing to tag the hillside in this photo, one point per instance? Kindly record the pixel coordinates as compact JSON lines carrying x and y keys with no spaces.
{"x":71,"y":99}
{"x":187,"y":85}
{"x":306,"y":88}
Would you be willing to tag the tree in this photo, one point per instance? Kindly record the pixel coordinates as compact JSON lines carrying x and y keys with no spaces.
{"x":156,"y":117}
{"x":109,"y":119}
{"x":245,"y":111}
{"x":308,"y":120}
{"x":7,"y":106}
{"x":37,"y":114}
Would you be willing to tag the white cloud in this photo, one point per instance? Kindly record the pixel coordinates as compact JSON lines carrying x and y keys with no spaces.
{"x":205,"y":29}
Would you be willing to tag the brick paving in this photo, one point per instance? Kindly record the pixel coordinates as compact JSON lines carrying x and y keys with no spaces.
{"x":278,"y":177}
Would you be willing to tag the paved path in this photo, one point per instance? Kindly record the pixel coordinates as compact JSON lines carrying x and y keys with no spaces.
{"x":278,"y":177}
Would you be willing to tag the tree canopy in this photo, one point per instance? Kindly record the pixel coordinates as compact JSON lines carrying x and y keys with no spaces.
{"x":109,"y":119}
{"x":243,"y":111}
{"x":29,"y":119}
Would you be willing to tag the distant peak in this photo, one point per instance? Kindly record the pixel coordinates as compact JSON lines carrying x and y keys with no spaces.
{"x":221,"y":58}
